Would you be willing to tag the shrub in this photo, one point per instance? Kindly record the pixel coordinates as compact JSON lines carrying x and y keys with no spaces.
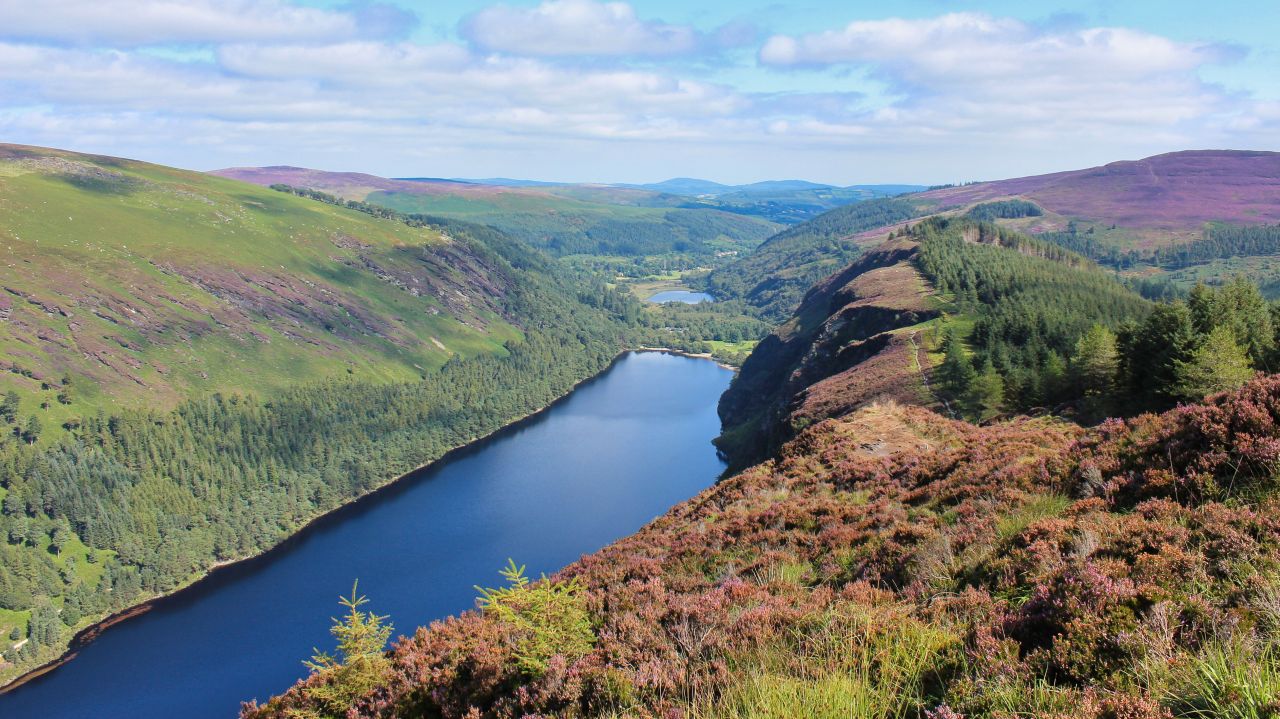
{"x":337,"y":682}
{"x":548,"y":619}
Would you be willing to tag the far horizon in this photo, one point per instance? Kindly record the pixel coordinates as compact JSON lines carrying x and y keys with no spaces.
{"x":499,"y":179}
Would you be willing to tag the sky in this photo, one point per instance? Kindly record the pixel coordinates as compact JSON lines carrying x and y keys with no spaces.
{"x":851,"y":92}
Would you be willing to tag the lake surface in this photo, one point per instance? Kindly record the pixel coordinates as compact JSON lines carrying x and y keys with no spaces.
{"x":616,"y":453}
{"x":689,"y":297}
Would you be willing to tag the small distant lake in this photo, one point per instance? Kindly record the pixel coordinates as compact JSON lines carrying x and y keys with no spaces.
{"x":689,"y":297}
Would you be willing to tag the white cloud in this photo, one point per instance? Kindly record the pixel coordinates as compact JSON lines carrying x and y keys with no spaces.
{"x":973,"y":46}
{"x":439,"y":86}
{"x":968,"y":73}
{"x":271,"y":82}
{"x":143,"y":22}
{"x":577,"y":28}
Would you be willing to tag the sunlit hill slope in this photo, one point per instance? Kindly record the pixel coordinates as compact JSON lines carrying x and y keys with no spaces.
{"x":141,"y":284}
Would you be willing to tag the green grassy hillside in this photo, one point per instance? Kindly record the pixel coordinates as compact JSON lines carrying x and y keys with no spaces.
{"x":567,"y":225}
{"x":129,"y":284}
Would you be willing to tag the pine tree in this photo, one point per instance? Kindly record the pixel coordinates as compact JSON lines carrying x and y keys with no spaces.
{"x":986,"y":393}
{"x":1219,"y":364}
{"x":1246,"y":312}
{"x":1154,"y":351}
{"x":31,"y":431}
{"x":956,"y":373}
{"x":9,"y":406}
{"x":1205,"y":309}
{"x":1094,"y":367}
{"x":1053,"y":379}
{"x":361,"y":665}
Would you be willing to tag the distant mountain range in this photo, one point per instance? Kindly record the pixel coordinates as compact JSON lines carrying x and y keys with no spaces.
{"x":562,"y":219}
{"x":699,"y":188}
{"x":694,"y":187}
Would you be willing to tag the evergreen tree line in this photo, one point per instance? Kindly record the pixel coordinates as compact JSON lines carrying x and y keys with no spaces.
{"x":1030,"y":302}
{"x":1217,"y":242}
{"x":1048,"y":333}
{"x":1004,"y":210}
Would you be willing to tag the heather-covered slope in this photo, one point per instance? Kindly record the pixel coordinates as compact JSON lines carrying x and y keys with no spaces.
{"x":127,"y":284}
{"x":563,"y":219}
{"x":1120,"y":213}
{"x":1177,"y":192}
{"x":893,"y":563}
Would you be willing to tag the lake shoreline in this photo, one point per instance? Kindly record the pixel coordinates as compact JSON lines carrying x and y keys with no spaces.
{"x":691,"y":355}
{"x":87,"y":635}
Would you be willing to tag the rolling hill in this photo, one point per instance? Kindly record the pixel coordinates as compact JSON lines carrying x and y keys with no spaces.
{"x":1118,"y":214}
{"x":144,"y":285}
{"x":785,"y":201}
{"x":1157,"y":200}
{"x":562,"y":219}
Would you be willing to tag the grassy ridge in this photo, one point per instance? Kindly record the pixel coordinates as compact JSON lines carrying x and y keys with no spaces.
{"x":142,"y":284}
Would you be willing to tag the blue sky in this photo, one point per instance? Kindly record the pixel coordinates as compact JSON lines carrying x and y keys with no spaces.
{"x":843,"y":92}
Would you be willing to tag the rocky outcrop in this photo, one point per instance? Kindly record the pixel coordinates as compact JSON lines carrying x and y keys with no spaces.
{"x":845,"y":346}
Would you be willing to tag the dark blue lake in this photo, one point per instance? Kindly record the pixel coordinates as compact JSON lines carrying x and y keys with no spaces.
{"x":597,"y":466}
{"x":689,"y":297}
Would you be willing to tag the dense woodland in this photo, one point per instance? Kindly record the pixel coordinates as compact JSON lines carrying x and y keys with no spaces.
{"x":1004,"y":210}
{"x":1049,"y":330}
{"x":1030,"y":307}
{"x":1217,"y":242}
